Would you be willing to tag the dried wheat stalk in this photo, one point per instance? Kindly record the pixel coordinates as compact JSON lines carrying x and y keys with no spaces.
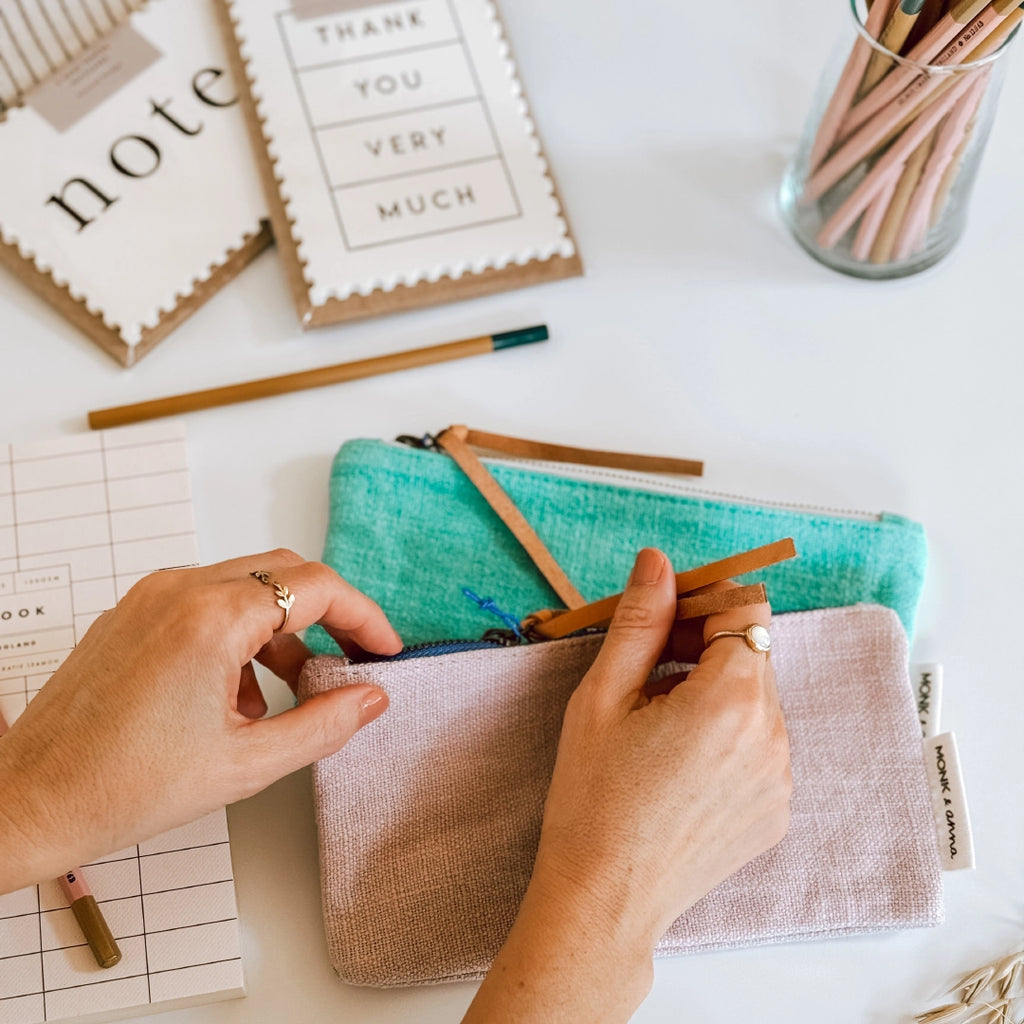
{"x":986,"y":995}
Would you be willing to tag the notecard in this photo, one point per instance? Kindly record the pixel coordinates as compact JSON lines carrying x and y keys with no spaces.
{"x":128,"y":194}
{"x":82,"y":519}
{"x":401,"y":163}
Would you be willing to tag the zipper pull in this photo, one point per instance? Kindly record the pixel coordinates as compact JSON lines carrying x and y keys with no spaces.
{"x":552,"y":625}
{"x":427,"y":443}
{"x":453,"y":442}
{"x":584,"y":456}
{"x":503,"y":637}
{"x":488,"y":604}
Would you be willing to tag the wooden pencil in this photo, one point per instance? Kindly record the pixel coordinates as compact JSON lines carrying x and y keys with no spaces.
{"x":881,"y":250}
{"x":936,"y":106}
{"x":893,"y":36}
{"x":994,"y":41}
{"x":871,"y":221}
{"x":877,"y":178}
{"x":890,"y":120}
{"x":914,"y":229}
{"x":930,"y":14}
{"x":871,"y":138}
{"x":947,"y":43}
{"x":846,"y":89}
{"x":177,"y":404}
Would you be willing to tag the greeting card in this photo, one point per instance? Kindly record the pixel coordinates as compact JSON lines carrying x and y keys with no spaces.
{"x":128,"y":193}
{"x":400,"y":160}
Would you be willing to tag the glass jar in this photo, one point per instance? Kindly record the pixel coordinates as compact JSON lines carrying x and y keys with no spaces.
{"x":880,"y":184}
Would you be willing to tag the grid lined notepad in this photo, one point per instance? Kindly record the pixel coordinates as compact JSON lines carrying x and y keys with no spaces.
{"x":81,"y":520}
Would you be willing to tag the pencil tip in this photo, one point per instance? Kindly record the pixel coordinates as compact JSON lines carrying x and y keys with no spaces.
{"x":523,"y":336}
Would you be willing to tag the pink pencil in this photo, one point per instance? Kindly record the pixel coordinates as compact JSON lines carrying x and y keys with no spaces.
{"x":993,"y":43}
{"x":89,"y":917}
{"x":956,"y":35}
{"x":85,"y":908}
{"x":849,"y":82}
{"x":870,"y":223}
{"x":860,"y":145}
{"x":878,"y":177}
{"x":915,"y":223}
{"x":894,"y":35}
{"x":881,"y":251}
{"x":876,"y":131}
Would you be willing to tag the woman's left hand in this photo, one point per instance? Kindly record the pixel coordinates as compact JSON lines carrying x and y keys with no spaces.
{"x":155,"y":718}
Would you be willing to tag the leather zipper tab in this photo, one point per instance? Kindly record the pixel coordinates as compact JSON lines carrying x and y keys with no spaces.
{"x":553,"y":625}
{"x":522,"y":448}
{"x":454,"y":442}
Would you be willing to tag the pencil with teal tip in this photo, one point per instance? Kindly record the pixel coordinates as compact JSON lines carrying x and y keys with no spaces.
{"x":892,"y":39}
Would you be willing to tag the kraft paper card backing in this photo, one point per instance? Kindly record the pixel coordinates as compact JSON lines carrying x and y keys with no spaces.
{"x":128,"y":195}
{"x":400,"y":163}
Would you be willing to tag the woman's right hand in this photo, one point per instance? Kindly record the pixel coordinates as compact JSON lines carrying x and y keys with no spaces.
{"x":662,"y":798}
{"x":654,"y":801}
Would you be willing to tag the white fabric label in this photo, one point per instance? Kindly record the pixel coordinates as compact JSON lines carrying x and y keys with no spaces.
{"x":926,"y":680}
{"x":949,"y":801}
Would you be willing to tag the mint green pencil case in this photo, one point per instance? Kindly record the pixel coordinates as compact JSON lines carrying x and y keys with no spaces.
{"x":408,"y":528}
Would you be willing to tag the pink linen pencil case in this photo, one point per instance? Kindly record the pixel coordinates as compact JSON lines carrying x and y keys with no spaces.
{"x":429,"y":818}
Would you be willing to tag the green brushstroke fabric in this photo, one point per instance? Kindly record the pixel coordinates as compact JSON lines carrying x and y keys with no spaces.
{"x":409,"y":529}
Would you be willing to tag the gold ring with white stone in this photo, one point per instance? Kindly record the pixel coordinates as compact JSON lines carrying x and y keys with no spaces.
{"x":756,"y":636}
{"x":285,"y":598}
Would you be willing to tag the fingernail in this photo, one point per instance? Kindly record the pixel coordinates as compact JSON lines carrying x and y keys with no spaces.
{"x":649,"y":566}
{"x":372,"y":705}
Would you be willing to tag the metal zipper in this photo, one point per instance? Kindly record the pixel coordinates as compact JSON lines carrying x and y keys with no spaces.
{"x":656,"y":485}
{"x":491,"y":640}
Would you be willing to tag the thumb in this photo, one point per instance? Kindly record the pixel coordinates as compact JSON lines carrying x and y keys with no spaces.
{"x":315,"y":729}
{"x":640,"y":627}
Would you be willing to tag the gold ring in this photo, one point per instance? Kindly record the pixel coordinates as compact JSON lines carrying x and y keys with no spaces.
{"x":285,"y":598}
{"x":756,"y":636}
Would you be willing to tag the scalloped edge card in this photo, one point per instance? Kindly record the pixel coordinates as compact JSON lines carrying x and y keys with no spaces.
{"x":401,"y":164}
{"x":128,"y":193}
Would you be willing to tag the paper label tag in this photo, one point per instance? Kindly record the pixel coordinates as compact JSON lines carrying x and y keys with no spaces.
{"x":926,"y":680}
{"x":949,"y":802}
{"x":303,"y":9}
{"x":93,"y":76}
{"x":37,"y":632}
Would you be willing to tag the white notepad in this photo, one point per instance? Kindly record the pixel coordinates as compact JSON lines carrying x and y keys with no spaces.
{"x":128,"y":194}
{"x":400,"y":159}
{"x":82,"y":519}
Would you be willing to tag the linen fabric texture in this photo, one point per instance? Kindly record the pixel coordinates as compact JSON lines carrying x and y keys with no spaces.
{"x":429,"y":817}
{"x":408,"y":528}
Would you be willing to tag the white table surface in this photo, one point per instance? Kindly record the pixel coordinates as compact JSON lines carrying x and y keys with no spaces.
{"x":700,"y":329}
